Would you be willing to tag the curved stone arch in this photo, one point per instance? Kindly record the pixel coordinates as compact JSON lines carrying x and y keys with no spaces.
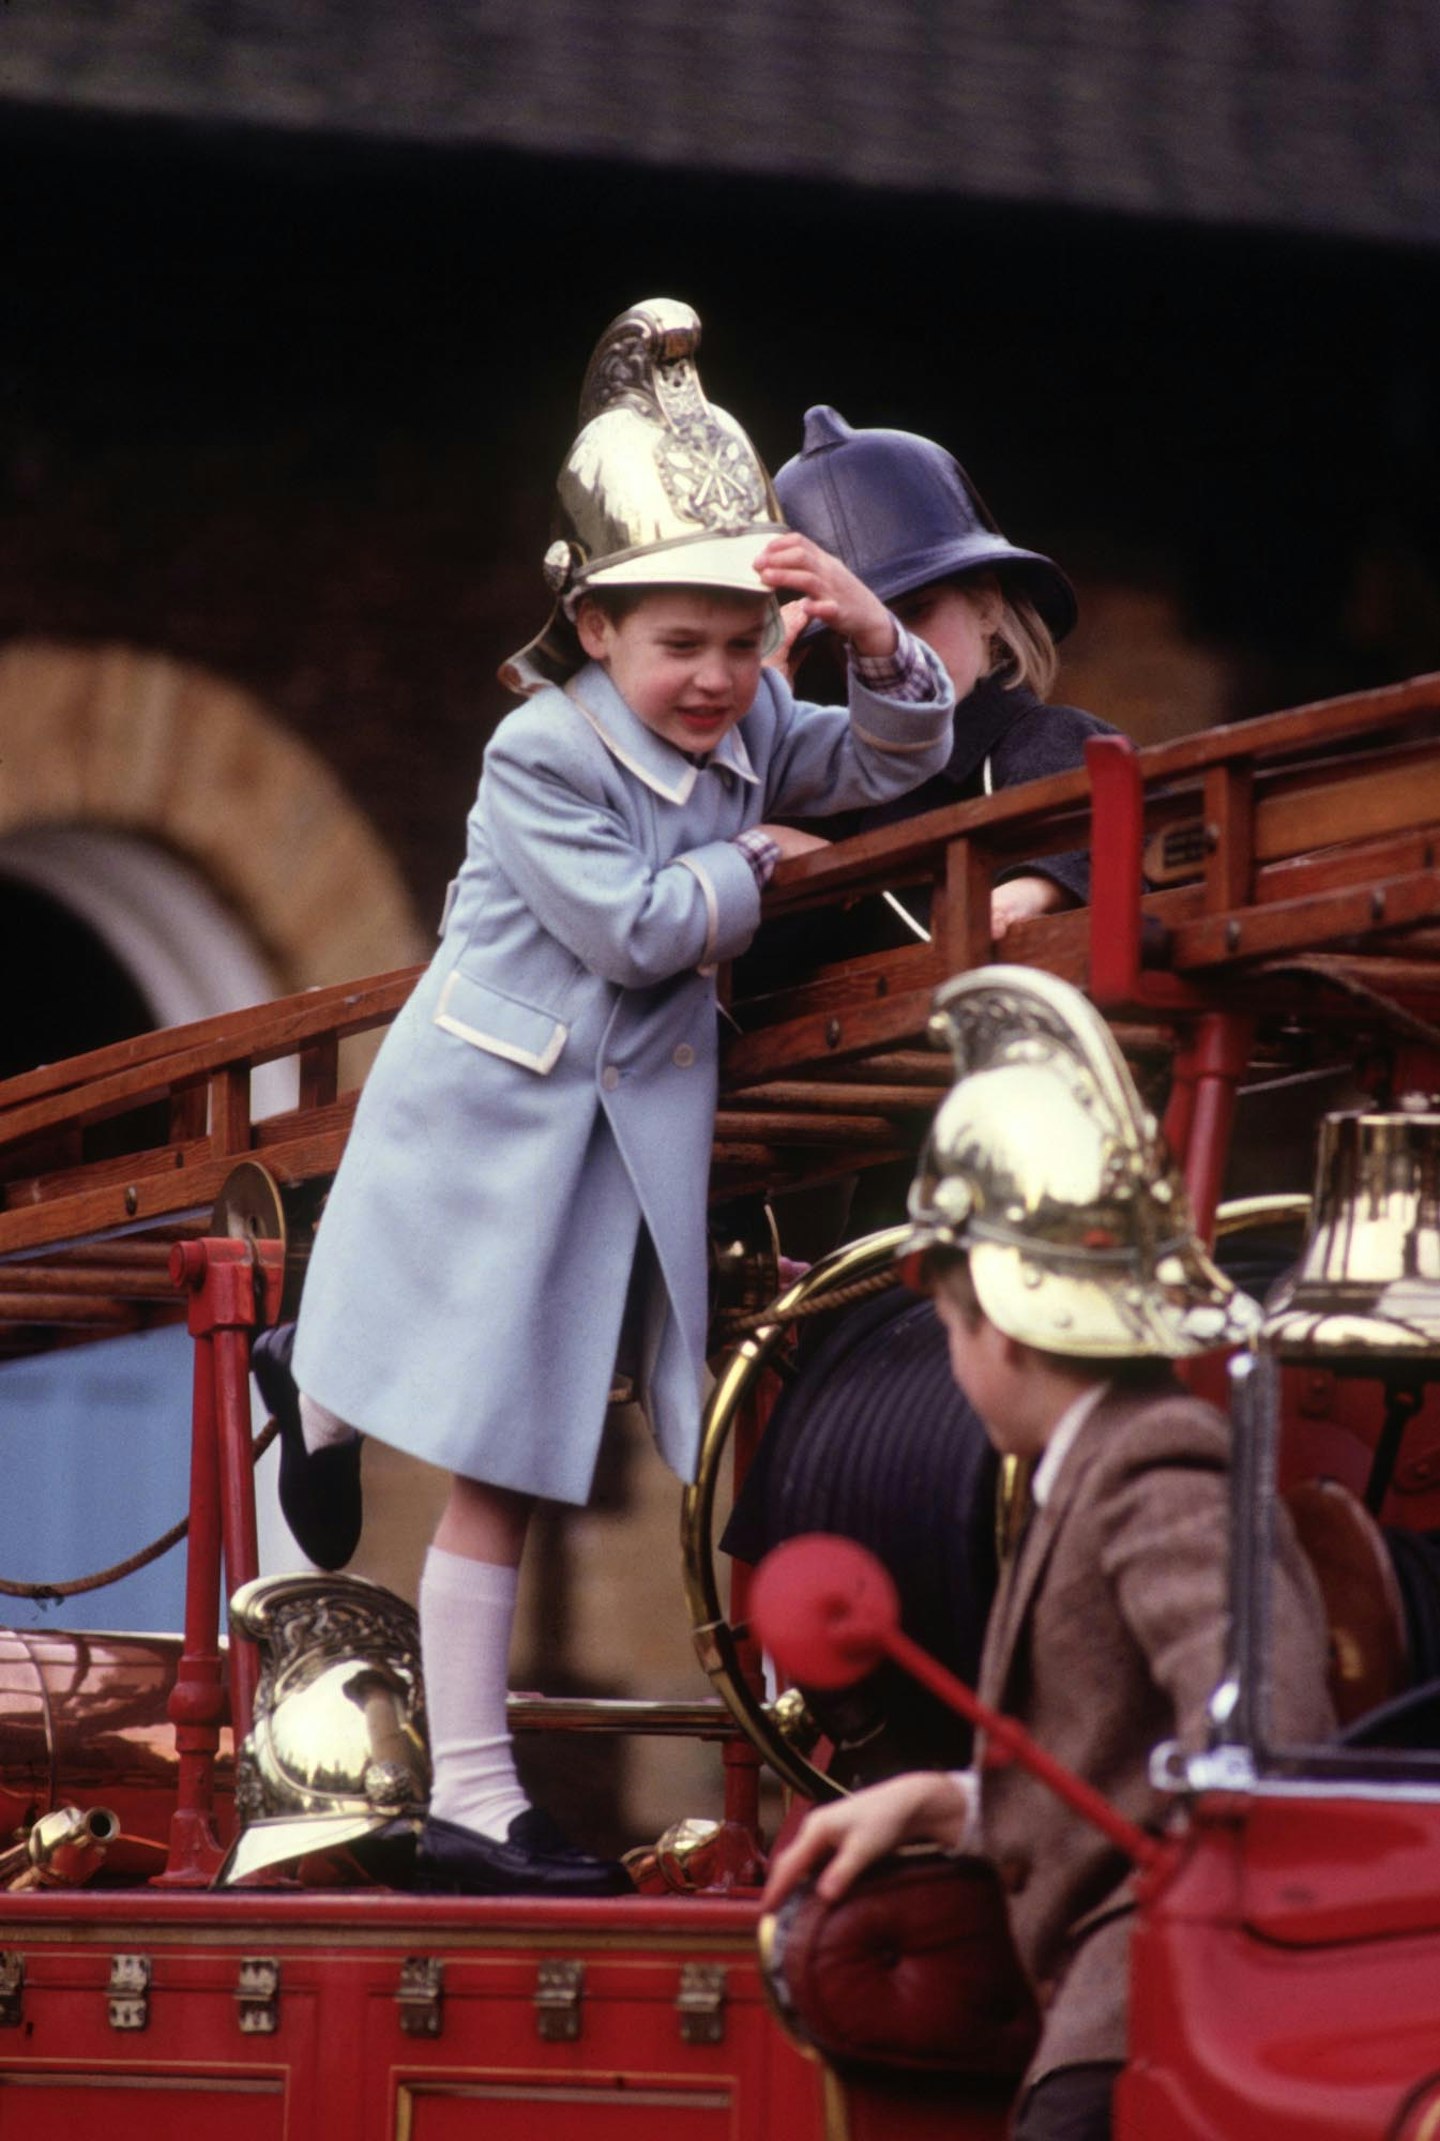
{"x":220,"y":860}
{"x":138,"y":743}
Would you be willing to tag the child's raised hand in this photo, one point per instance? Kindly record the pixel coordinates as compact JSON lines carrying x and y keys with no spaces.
{"x":791,"y":841}
{"x":828,"y":591}
{"x":841,"y":1840}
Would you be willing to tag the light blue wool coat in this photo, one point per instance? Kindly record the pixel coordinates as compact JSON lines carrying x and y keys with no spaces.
{"x":549,"y":1088}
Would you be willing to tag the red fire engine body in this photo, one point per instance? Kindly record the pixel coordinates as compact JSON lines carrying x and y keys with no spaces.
{"x":1264,"y":896}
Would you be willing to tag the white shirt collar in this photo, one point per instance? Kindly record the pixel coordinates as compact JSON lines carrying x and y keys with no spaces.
{"x":660,"y":765}
{"x":1058,"y":1447}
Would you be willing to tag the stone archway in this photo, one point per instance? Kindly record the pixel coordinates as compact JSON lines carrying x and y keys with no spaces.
{"x":220,"y":861}
{"x":114,"y":738}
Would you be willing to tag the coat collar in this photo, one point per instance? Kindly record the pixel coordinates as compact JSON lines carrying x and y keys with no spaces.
{"x":1021,"y":1575}
{"x":660,"y":765}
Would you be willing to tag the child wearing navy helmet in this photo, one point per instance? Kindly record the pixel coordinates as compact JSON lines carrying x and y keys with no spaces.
{"x":904,"y":516}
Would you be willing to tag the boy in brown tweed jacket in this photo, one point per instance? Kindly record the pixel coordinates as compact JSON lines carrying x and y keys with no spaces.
{"x":1052,"y":1232}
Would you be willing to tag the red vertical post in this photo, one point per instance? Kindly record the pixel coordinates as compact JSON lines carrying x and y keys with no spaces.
{"x":230,"y":1359}
{"x":1117,"y":843}
{"x":1219,"y":1052}
{"x":198,"y":1706}
{"x":1180,"y":1110}
{"x":220,"y":1277}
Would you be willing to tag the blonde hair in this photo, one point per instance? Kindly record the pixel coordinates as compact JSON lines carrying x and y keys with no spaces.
{"x":1022,"y":647}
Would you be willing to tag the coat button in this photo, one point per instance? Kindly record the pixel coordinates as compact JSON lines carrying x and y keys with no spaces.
{"x":684,"y":1056}
{"x":610,"y":1077}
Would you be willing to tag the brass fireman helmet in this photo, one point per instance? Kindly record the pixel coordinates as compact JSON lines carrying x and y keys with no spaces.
{"x":660,"y":488}
{"x":1367,"y":1286}
{"x":1046,"y":1169}
{"x":338,"y":1747}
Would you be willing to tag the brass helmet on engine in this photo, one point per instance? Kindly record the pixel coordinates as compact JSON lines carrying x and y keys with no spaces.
{"x":1046,"y":1169}
{"x":337,"y":1749}
{"x":660,"y":488}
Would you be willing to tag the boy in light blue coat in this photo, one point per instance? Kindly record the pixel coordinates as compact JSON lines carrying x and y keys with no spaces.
{"x":526,"y":1178}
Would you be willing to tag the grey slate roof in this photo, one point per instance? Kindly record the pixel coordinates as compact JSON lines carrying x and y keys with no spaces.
{"x":1315,"y":115}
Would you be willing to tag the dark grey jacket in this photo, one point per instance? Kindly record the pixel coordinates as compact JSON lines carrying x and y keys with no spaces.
{"x":1020,"y":738}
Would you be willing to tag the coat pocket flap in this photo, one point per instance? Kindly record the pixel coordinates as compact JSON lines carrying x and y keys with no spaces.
{"x":500,"y":1024}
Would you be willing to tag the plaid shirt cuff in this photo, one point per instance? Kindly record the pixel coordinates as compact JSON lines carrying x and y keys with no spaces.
{"x":760,"y":851}
{"x":913,"y":674}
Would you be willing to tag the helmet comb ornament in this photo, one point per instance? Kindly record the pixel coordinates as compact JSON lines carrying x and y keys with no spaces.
{"x":1044,"y":1167}
{"x":660,"y":488}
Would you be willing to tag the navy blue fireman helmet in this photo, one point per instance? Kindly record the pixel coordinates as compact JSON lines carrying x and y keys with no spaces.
{"x":901,"y":512}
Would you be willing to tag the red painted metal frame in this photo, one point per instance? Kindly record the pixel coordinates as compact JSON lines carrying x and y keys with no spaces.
{"x":1214,"y":1042}
{"x":232,"y":1287}
{"x":1283,"y":1980}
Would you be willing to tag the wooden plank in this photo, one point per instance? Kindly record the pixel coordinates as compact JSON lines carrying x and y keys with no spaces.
{"x":1230,"y":830}
{"x":797,"y":1129}
{"x":74,"y":1281}
{"x":960,"y":912}
{"x":1366,"y":862}
{"x":320,"y":1072}
{"x":123,"y":1168}
{"x":1322,"y":724}
{"x":230,"y":1110}
{"x":1058,"y":806}
{"x":815,"y":1041}
{"x":868,"y":978}
{"x":926,"y":1066}
{"x":259,"y":1033}
{"x":64,"y":1309}
{"x":859,"y":1097}
{"x":302,"y":1123}
{"x":1306,"y":924}
{"x":163,"y":1195}
{"x":1349,"y":807}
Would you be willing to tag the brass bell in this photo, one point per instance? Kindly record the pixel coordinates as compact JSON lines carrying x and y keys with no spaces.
{"x":1367,"y":1286}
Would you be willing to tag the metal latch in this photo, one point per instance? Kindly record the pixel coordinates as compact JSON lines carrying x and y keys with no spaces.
{"x":559,"y":1988}
{"x":12,"y":1988}
{"x":129,"y":1990}
{"x":257,"y":1996}
{"x":421,"y":1985}
{"x":700,"y":2003}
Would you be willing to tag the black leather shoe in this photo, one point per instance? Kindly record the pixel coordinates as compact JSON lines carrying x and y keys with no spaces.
{"x":319,"y":1492}
{"x":536,"y":1860}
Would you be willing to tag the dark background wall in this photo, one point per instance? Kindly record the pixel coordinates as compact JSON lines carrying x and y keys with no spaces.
{"x":290,"y":407}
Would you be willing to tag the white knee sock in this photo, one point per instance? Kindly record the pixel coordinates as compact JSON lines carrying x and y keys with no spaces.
{"x":322,"y":1429}
{"x":467,"y":1610}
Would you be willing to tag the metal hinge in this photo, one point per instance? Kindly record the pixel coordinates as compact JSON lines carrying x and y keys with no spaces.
{"x":129,"y":1991}
{"x":12,"y":1988}
{"x":700,"y":2003}
{"x":421,"y":1986}
{"x":559,"y":1988}
{"x":257,"y":1996}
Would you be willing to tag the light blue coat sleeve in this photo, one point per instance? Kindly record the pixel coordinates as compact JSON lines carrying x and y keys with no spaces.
{"x":829,"y":758}
{"x":572,"y":857}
